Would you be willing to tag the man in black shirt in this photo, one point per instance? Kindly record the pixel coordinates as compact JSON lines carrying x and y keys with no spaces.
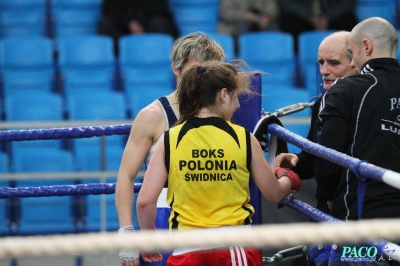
{"x":334,"y":62}
{"x":360,"y":117}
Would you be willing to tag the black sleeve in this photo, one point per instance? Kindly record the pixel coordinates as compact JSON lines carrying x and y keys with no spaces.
{"x":157,"y":8}
{"x":334,"y":116}
{"x":123,"y":11}
{"x":305,"y":166}
{"x":338,"y":8}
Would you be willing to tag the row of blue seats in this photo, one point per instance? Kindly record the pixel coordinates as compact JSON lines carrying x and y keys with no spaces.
{"x":57,"y":18}
{"x":88,"y":62}
{"x":82,"y":63}
{"x":81,"y":105}
{"x":48,"y":17}
{"x":92,"y":106}
{"x":65,"y":214}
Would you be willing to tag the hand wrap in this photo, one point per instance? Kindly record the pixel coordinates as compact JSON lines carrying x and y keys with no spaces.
{"x":128,"y":255}
{"x":294,"y":178}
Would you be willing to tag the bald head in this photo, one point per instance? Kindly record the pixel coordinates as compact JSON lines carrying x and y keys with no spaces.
{"x":380,"y":32}
{"x":337,"y":41}
{"x":334,"y":59}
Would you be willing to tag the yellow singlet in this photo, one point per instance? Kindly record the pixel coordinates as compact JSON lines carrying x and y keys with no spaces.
{"x":208,"y":162}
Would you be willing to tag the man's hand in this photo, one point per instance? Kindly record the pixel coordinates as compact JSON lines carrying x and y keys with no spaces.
{"x":135,"y":27}
{"x":320,"y":22}
{"x":128,"y":257}
{"x":264,"y":21}
{"x":294,"y":178}
{"x":286,"y":160}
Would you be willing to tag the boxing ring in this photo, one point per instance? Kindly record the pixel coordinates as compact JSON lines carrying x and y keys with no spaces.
{"x":329,"y":230}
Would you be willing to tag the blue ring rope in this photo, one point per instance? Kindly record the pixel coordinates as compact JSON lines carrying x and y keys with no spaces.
{"x":354,"y":164}
{"x":361,"y":167}
{"x":64,"y":133}
{"x":61,"y":190}
{"x":341,"y":159}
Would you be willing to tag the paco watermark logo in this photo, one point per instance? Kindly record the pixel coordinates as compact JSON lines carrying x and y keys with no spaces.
{"x":355,"y":253}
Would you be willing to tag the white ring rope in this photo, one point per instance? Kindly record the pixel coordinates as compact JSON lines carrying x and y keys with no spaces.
{"x":258,"y":235}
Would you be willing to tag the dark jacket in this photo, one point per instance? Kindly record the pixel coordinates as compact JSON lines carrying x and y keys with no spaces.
{"x":305,"y":166}
{"x":333,"y":9}
{"x":124,"y":11}
{"x":360,"y":117}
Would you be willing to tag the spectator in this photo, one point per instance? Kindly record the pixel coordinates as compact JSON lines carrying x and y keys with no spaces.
{"x":334,"y":61}
{"x":297,"y":16}
{"x":203,"y":195}
{"x":149,"y":125}
{"x":238,"y":16}
{"x":124,"y":17}
{"x":359,"y":117}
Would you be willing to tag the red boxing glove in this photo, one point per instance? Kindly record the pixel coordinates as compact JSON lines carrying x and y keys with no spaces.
{"x":294,"y":178}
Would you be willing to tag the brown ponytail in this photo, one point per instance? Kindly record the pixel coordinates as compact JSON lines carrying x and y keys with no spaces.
{"x":200,"y":84}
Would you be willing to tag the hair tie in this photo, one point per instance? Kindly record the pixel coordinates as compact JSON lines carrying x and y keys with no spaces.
{"x":199,"y":69}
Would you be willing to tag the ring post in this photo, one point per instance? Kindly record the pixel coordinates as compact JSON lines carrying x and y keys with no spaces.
{"x":247,"y":116}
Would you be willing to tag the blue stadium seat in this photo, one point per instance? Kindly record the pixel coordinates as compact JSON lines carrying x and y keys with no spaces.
{"x":34,"y":107}
{"x":308,"y":55}
{"x":45,"y":215}
{"x":195,"y":15}
{"x":386,"y":9}
{"x":144,"y":60}
{"x":199,"y":18}
{"x":94,"y":213}
{"x":93,"y":148}
{"x":4,"y":167}
{"x":227,"y":42}
{"x":74,"y":17}
{"x":141,"y":97}
{"x":90,"y":160}
{"x":276,"y":97}
{"x":86,"y":62}
{"x":23,"y":18}
{"x":271,"y":53}
{"x":26,"y":64}
{"x":38,"y":106}
{"x":96,"y":105}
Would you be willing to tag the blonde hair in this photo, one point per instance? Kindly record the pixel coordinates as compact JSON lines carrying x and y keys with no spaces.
{"x":195,"y":45}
